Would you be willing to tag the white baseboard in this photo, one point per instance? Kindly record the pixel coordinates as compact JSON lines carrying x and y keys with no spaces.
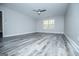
{"x":31,"y":32}
{"x":17,"y":34}
{"x":72,"y":44}
{"x":52,"y":32}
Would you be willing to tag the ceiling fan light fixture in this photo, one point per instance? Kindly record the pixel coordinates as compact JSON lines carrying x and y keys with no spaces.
{"x":39,"y":13}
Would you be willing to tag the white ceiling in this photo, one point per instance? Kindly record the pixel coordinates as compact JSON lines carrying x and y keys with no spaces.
{"x":53,"y":9}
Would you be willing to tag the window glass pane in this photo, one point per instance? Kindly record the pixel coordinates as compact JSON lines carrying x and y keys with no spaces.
{"x":45,"y":22}
{"x":51,"y":21}
{"x":51,"y":24}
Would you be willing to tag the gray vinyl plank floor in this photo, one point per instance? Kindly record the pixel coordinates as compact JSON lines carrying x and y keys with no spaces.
{"x":36,"y":44}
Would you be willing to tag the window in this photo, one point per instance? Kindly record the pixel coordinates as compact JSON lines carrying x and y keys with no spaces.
{"x":48,"y":24}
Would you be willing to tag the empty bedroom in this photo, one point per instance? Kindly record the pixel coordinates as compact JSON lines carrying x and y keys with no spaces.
{"x":39,"y":29}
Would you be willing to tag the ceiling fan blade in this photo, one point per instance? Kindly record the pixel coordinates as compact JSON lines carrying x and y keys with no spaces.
{"x":42,"y":10}
{"x":39,"y":10}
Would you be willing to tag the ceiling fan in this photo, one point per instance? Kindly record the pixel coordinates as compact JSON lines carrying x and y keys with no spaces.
{"x":39,"y":11}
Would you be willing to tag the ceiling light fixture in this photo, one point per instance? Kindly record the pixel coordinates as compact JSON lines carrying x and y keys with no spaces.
{"x":39,"y":11}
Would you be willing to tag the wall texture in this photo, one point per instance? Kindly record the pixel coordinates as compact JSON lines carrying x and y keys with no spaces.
{"x":15,"y":23}
{"x":58,"y":26}
{"x":72,"y":25}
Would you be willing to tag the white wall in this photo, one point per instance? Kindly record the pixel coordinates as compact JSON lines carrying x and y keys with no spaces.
{"x":15,"y":23}
{"x":59,"y":25}
{"x":72,"y":24}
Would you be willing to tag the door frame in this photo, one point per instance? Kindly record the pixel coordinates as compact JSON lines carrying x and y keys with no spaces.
{"x":2,"y":22}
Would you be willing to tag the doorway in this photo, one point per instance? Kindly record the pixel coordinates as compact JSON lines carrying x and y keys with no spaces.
{"x":1,"y":32}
